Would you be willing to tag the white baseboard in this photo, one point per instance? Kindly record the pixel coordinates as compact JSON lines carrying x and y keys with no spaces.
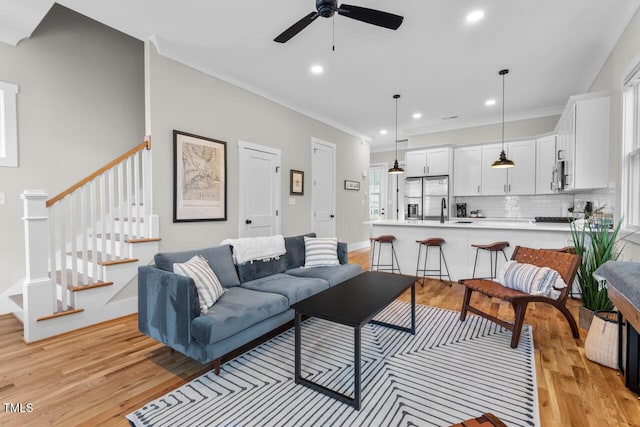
{"x":358,"y":245}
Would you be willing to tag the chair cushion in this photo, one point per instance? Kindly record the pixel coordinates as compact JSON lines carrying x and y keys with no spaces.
{"x":320,"y":252}
{"x":219,"y":259}
{"x":236,"y":310}
{"x":207,"y":284}
{"x":294,"y":288}
{"x":531,"y":279}
{"x":333,"y":275}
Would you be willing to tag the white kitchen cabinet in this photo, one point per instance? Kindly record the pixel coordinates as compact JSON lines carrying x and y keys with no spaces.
{"x":430,"y":162}
{"x":545,"y":164}
{"x":494,"y":181}
{"x":583,"y":141}
{"x":467,"y":171}
{"x":416,"y":163}
{"x":519,"y":180}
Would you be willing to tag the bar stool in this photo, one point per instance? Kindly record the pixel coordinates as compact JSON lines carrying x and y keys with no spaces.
{"x":493,"y":249}
{"x":388,"y":239}
{"x":431,"y":242}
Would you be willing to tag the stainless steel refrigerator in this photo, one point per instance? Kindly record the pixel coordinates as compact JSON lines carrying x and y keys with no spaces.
{"x":423,"y":197}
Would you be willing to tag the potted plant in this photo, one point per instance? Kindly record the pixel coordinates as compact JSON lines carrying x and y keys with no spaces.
{"x":596,"y":244}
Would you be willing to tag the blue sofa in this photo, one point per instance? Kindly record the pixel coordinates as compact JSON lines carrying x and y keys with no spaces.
{"x":257,"y":298}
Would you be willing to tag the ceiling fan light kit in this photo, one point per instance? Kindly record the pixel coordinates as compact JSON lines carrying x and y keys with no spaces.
{"x":396,"y":169}
{"x":328,"y":8}
{"x":503,"y":161}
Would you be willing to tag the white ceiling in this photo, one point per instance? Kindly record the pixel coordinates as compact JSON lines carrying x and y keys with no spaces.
{"x":441,"y":65}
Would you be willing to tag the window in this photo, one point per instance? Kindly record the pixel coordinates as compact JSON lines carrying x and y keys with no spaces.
{"x":631,"y":148}
{"x":8,"y":125}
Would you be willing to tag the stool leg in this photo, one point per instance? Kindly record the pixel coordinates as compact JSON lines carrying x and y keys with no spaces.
{"x":505,"y":255}
{"x":440,"y":265}
{"x":393,"y":256}
{"x":373,"y":252}
{"x":474,"y":264}
{"x":379,"y":250}
{"x":445,"y":265}
{"x":424,"y":265}
{"x":418,"y":263}
{"x":492,"y":264}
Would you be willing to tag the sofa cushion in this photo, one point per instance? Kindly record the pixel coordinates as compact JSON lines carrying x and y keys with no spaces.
{"x":294,"y":288}
{"x":219,"y":258}
{"x":295,"y":250}
{"x":320,"y":252}
{"x":236,"y":310}
{"x":333,"y":275}
{"x":258,"y":269}
{"x":207,"y":284}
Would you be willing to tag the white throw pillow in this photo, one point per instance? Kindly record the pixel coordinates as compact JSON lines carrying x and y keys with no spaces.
{"x":207,"y":283}
{"x":531,"y":279}
{"x":320,"y":251}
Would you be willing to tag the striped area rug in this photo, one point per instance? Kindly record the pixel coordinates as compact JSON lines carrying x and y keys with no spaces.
{"x":448,"y":372}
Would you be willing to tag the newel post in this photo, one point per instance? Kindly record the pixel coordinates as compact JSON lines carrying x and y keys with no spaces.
{"x":39,"y":297}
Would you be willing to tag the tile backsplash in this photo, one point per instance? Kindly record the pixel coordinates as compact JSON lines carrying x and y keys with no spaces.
{"x":539,"y":205}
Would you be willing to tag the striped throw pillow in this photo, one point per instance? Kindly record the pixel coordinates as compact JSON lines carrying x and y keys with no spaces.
{"x":207,"y":284}
{"x":533,"y":280}
{"x":320,"y":251}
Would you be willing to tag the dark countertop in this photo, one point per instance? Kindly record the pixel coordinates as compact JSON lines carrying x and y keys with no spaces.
{"x":624,"y":277}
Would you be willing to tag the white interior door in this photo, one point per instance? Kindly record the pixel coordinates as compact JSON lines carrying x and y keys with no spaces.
{"x":378,"y":191}
{"x":259,"y":202}
{"x":323,"y":193}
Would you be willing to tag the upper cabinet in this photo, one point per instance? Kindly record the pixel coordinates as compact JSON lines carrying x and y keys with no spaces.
{"x":431,"y":162}
{"x":466,"y":171}
{"x":583,"y":142}
{"x":519,"y":180}
{"x":546,"y":165}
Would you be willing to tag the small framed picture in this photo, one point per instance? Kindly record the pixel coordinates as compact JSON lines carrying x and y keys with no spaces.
{"x":296,"y":182}
{"x":351,"y":185}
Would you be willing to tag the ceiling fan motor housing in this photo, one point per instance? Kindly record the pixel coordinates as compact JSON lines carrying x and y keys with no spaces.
{"x":326,"y":8}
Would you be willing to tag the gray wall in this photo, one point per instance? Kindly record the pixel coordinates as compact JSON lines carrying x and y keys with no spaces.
{"x":625,"y":54}
{"x":488,"y":133}
{"x":80,"y":105}
{"x":186,"y":99}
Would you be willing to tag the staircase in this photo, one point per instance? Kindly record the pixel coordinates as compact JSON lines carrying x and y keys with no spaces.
{"x":84,"y":246}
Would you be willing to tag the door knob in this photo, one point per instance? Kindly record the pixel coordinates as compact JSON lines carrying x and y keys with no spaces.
{"x":248,"y":221}
{"x":332,"y":216}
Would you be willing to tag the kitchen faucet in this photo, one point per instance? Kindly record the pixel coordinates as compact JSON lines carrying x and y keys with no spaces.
{"x":443,"y":206}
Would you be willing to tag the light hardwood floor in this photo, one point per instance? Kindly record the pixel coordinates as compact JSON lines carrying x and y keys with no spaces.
{"x":97,"y":375}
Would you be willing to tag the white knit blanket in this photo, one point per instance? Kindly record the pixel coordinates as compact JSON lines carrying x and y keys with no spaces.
{"x":249,"y":249}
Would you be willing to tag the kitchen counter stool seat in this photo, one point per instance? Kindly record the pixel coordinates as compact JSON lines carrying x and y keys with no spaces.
{"x":375,"y":262}
{"x":493,"y":249}
{"x":424,"y":271}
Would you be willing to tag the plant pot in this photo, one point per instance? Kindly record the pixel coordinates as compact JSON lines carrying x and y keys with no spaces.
{"x":585,"y":316}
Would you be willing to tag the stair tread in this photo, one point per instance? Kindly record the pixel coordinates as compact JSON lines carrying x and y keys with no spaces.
{"x":89,"y":286}
{"x":99,"y":257}
{"x":89,"y":280}
{"x":60,"y":312}
{"x":147,"y":239}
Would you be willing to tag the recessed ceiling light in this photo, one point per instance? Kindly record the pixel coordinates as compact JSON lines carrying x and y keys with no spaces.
{"x":317,"y":69}
{"x":383,"y":131}
{"x":475,"y":16}
{"x":490,"y":102}
{"x":417,"y":115}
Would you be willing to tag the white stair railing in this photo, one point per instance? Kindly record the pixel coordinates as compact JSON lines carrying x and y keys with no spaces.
{"x":89,"y":223}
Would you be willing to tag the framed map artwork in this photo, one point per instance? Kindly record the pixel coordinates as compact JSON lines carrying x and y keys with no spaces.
{"x":199,"y":178}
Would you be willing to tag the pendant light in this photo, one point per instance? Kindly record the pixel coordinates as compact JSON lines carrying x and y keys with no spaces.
{"x":502,"y":161}
{"x":396,"y":169}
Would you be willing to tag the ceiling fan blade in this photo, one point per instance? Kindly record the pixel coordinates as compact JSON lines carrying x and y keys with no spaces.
{"x":296,"y":28}
{"x":371,"y":16}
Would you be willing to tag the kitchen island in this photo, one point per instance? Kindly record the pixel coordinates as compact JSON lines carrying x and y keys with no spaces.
{"x":459,"y":234}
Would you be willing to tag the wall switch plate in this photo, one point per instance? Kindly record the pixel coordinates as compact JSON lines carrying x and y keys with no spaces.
{"x":3,"y":199}
{"x":292,"y":201}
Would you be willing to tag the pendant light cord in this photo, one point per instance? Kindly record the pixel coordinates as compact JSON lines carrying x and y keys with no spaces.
{"x":396,"y":141}
{"x":503,"y":112}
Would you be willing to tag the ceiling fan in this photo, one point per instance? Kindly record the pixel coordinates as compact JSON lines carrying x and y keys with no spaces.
{"x":327,"y":8}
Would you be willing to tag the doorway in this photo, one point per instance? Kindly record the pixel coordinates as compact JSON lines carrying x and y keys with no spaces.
{"x":259,"y":190}
{"x":378,"y":191}
{"x":323,"y":193}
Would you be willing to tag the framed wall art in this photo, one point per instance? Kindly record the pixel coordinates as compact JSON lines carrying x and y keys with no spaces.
{"x":351,"y":185}
{"x":199,"y":178}
{"x":296,"y":182}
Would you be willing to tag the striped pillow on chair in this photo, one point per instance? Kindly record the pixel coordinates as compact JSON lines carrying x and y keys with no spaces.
{"x":320,"y":251}
{"x":532,"y":279}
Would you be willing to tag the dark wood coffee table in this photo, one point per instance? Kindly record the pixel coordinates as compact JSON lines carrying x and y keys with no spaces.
{"x":354,"y":302}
